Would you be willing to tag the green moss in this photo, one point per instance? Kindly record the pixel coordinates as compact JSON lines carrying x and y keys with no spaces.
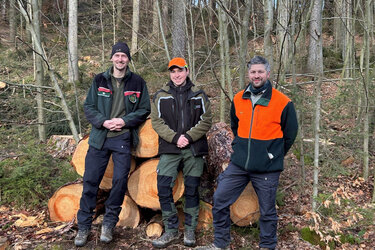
{"x":312,"y":237}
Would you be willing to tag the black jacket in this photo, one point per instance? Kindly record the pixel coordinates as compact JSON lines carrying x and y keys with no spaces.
{"x":176,"y":111}
{"x":98,"y":106}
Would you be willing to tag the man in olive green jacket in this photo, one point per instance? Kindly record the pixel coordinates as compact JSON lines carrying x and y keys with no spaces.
{"x":181,"y":115}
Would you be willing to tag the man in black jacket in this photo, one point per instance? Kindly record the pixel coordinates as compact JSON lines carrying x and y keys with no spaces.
{"x":116,"y":104}
{"x":181,"y":115}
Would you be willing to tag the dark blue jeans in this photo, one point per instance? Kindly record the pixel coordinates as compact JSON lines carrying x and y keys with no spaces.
{"x":95,"y":165}
{"x":231,"y":183}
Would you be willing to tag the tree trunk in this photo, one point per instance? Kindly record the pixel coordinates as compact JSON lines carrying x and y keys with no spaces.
{"x":12,"y":22}
{"x":178,"y":29}
{"x":142,"y":185}
{"x":135,"y":27}
{"x":162,"y":32}
{"x":118,"y":14}
{"x":39,"y":73}
{"x":102,"y":33}
{"x":40,"y":51}
{"x":155,"y":21}
{"x":283,"y":36}
{"x":366,"y":84}
{"x":165,"y":16}
{"x":268,"y":23}
{"x":73,"y":42}
{"x":243,"y":44}
{"x":222,"y":26}
{"x":316,"y":142}
{"x":315,"y":56}
{"x":226,"y":53}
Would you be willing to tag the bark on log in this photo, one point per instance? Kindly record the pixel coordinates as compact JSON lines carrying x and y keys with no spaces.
{"x":245,"y":210}
{"x":148,"y":145}
{"x":64,"y":204}
{"x":62,"y":145}
{"x":219,"y":138}
{"x":78,"y":162}
{"x":204,"y":218}
{"x":155,"y":226}
{"x":142,"y":185}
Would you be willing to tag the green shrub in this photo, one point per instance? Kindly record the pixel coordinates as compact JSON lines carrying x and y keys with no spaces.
{"x":30,"y":178}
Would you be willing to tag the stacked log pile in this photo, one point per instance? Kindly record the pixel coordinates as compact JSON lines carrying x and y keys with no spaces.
{"x":142,"y":184}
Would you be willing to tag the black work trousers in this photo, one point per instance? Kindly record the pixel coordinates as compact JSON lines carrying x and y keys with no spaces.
{"x":95,"y":165}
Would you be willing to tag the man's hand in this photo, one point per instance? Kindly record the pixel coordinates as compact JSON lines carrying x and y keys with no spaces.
{"x":182,"y":142}
{"x":115,"y":124}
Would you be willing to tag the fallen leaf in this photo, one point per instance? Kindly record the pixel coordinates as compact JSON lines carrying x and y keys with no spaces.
{"x":45,"y":230}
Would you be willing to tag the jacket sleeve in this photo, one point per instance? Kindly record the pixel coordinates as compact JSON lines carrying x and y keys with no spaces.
{"x":90,"y":107}
{"x":289,"y":126}
{"x":202,"y":127}
{"x":140,"y":112}
{"x":159,"y":125}
{"x":233,"y":119}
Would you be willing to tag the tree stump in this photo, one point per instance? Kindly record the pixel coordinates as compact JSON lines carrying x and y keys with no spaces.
{"x":142,"y":185}
{"x":245,"y":210}
{"x":148,"y":145}
{"x":64,"y":204}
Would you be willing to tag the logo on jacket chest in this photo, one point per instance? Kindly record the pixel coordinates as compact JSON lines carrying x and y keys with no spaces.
{"x":132,"y":95}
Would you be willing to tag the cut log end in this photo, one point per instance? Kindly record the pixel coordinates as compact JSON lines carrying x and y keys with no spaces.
{"x":142,"y":185}
{"x":64,"y":204}
{"x":148,"y":145}
{"x":245,"y":210}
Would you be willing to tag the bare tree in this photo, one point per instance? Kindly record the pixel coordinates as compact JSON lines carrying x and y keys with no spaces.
{"x":268,"y":23}
{"x":41,"y":53}
{"x":243,"y":43}
{"x":315,"y":56}
{"x":135,"y":27}
{"x":155,"y":21}
{"x":39,"y":72}
{"x":162,"y":31}
{"x":165,"y":15}
{"x":284,"y":7}
{"x":118,"y":14}
{"x":12,"y":22}
{"x":73,"y":74}
{"x":366,"y":84}
{"x":178,"y":29}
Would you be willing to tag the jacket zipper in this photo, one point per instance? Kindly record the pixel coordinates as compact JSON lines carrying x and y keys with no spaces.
{"x":249,"y":141}
{"x":182,"y":113}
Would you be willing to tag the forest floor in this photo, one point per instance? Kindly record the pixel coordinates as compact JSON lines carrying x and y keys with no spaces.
{"x":33,"y":230}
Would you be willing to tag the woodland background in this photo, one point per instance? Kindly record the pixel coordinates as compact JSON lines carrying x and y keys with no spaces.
{"x":321,"y":54}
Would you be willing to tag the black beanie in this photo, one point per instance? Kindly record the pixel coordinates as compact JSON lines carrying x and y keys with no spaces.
{"x":121,"y":47}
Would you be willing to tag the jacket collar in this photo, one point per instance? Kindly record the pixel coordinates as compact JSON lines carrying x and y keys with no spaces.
{"x":265,"y":98}
{"x":194,"y":89}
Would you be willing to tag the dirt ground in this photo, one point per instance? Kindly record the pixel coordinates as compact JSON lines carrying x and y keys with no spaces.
{"x":292,"y":218}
